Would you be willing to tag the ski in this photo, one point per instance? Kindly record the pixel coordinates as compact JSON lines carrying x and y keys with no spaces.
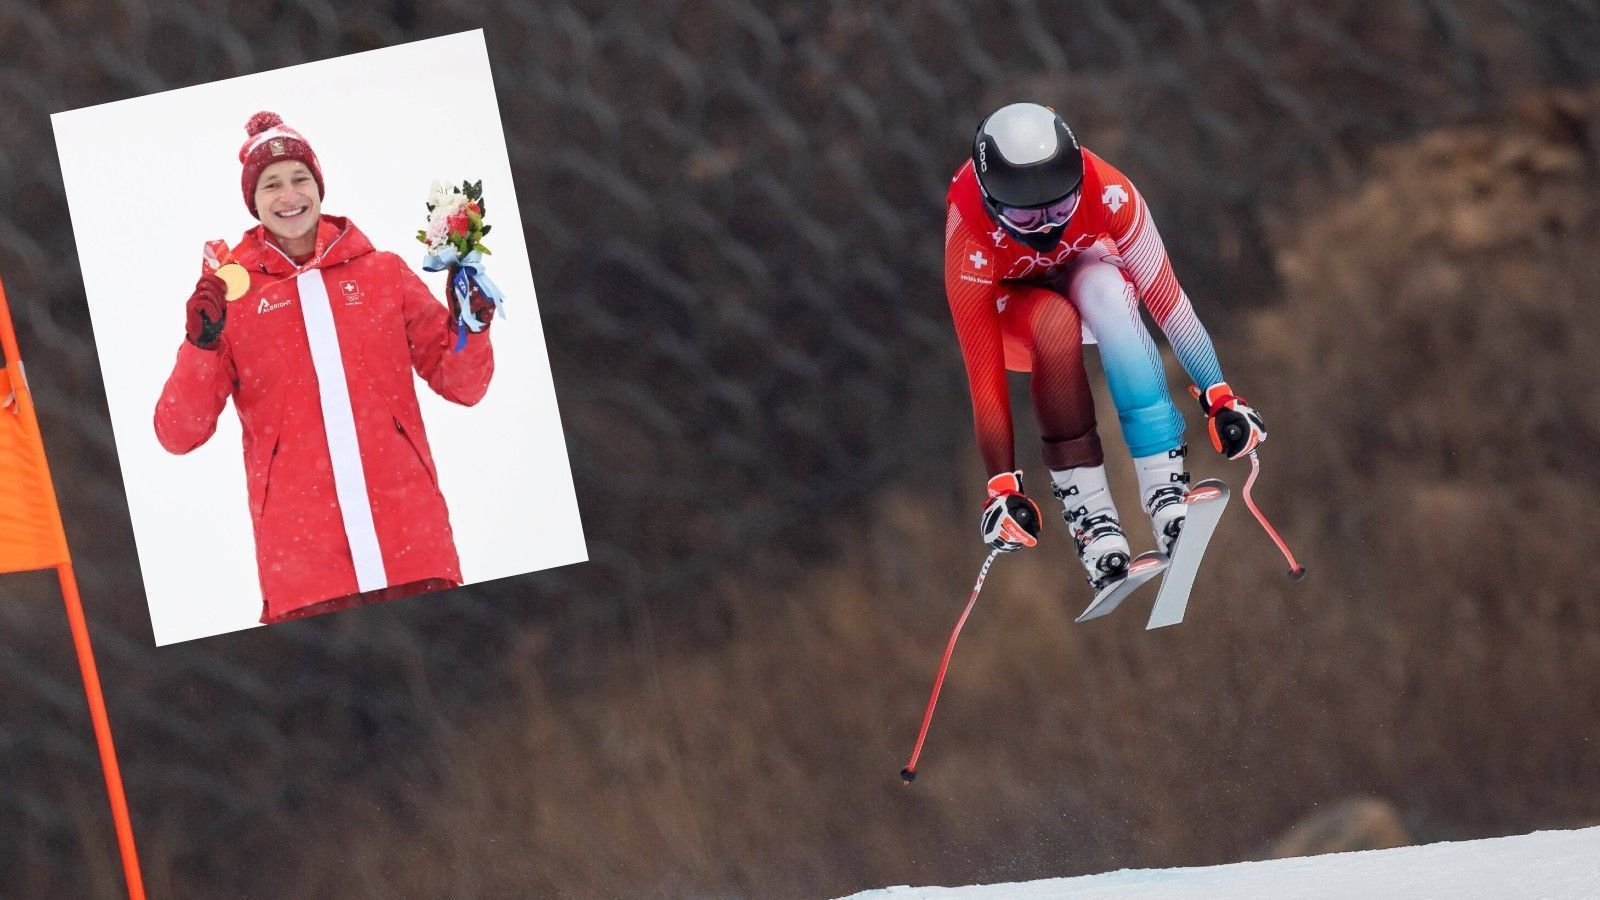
{"x":1205,"y":503}
{"x":1144,"y":567}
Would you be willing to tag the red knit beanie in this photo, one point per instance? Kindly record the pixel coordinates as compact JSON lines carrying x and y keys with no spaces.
{"x":272,"y":141}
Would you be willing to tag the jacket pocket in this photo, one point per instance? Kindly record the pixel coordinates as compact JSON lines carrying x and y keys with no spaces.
{"x":263,"y":482}
{"x":433,"y":476}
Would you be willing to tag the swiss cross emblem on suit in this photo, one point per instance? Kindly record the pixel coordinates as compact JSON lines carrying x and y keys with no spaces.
{"x":976,"y":261}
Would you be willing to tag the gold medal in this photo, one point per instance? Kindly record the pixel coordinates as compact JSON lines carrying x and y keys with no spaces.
{"x":236,"y":278}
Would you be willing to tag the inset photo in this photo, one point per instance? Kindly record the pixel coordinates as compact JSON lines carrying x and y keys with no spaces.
{"x":315,"y":317}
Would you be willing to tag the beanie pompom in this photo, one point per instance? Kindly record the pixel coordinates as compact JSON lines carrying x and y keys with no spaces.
{"x":261,"y":121}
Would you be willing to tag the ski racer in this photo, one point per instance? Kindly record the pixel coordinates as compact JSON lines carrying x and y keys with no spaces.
{"x":1048,"y":246}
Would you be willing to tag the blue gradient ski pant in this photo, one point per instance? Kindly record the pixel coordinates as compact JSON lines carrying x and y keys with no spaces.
{"x":1109,"y":306}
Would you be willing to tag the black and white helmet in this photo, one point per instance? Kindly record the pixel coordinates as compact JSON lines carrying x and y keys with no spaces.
{"x":1030,"y":170}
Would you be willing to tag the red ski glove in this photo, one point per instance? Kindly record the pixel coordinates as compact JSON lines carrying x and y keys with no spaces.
{"x":1010,"y":520}
{"x":1236,"y":429}
{"x":207,"y":311}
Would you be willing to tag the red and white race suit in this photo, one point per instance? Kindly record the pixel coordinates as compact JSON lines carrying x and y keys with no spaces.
{"x":1010,"y":307}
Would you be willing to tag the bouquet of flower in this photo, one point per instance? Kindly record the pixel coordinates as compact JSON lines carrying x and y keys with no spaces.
{"x":454,"y":241}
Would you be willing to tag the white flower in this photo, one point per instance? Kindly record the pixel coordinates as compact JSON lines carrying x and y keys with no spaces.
{"x":454,"y":203}
{"x":438,"y":194}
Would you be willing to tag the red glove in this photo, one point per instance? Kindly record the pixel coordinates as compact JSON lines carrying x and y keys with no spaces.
{"x":207,"y":311}
{"x":1010,"y":520}
{"x":1236,"y":429}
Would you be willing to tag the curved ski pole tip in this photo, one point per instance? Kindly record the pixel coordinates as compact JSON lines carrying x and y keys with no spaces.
{"x":1296,"y":571}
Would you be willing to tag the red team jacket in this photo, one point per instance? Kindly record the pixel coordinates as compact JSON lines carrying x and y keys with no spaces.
{"x":344,"y":496}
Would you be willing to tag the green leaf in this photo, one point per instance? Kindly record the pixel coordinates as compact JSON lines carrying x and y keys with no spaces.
{"x":486,"y":229}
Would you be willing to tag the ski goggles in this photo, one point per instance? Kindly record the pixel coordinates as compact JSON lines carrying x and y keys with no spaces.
{"x":1043,"y":218}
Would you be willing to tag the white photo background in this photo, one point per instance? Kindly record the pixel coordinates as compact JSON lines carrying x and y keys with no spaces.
{"x":150,"y":180}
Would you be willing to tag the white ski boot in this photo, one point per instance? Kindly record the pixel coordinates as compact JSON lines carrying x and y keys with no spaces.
{"x":1092,"y":518}
{"x":1163,"y":482}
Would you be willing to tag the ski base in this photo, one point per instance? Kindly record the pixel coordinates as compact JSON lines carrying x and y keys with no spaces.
{"x":1205,"y":503}
{"x":1144,"y":567}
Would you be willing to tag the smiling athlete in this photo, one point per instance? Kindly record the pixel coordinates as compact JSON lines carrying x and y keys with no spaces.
{"x":314,"y":334}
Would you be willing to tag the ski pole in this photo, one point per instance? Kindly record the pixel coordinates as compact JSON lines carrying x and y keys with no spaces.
{"x":1296,"y":571}
{"x":909,"y":773}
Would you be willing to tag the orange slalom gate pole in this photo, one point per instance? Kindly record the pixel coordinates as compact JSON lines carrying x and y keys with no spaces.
{"x":102,"y":731}
{"x":21,"y":404}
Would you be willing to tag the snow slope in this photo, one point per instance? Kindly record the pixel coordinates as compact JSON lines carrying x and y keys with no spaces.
{"x":1550,"y":865}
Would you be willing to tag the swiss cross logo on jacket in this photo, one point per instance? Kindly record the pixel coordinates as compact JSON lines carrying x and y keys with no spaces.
{"x":976,"y":264}
{"x":351,"y":292}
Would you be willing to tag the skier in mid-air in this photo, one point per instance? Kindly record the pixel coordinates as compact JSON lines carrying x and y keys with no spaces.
{"x":1043,"y":238}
